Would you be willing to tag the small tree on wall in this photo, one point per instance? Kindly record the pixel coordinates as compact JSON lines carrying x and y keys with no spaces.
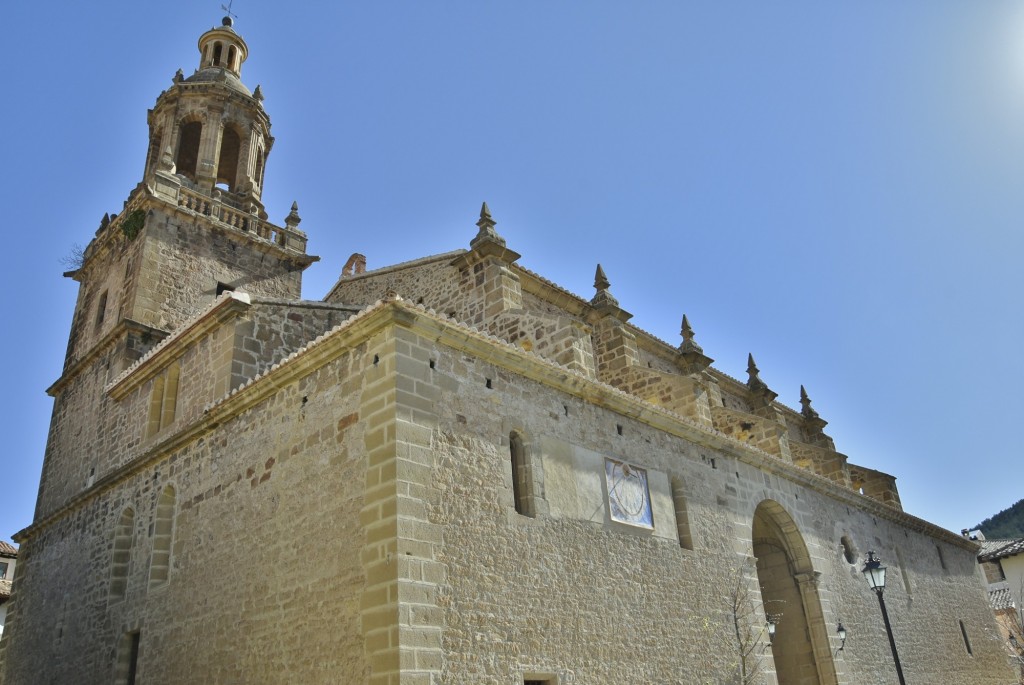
{"x":749,"y":632}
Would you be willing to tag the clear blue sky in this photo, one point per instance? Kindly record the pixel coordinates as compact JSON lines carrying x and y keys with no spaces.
{"x":835,"y":187}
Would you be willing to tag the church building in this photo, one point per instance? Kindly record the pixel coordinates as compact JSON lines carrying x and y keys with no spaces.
{"x":450,"y":470}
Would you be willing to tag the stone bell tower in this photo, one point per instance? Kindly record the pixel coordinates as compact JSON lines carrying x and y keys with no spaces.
{"x":194,"y":227}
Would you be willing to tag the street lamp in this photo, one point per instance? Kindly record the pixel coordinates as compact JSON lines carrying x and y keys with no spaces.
{"x":841,"y":632}
{"x":874,"y":573}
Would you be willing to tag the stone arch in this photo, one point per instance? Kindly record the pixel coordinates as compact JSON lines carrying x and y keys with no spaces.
{"x":522,"y":486}
{"x":163,"y":534}
{"x":121,"y":556}
{"x":190,"y":135}
{"x":801,"y":649}
{"x":227,"y":160}
{"x":682,"y":515}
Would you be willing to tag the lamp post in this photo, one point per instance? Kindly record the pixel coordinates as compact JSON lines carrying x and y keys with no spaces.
{"x":874,"y":573}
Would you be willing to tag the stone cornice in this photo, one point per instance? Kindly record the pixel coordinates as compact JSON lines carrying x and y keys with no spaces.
{"x":499,"y":353}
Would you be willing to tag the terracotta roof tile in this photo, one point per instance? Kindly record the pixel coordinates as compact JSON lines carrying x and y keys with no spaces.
{"x":7,"y":549}
{"x":997,"y":549}
{"x":1000,"y":597}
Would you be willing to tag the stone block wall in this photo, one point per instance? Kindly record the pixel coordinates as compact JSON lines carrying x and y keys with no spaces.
{"x":353,"y":517}
{"x":265,"y":578}
{"x":569,"y":595}
{"x":185,"y":257}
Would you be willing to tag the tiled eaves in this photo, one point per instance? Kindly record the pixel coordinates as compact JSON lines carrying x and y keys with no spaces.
{"x":529,"y":364}
{"x":228,"y":304}
{"x":302,"y":304}
{"x":395,"y":267}
{"x":8,"y":550}
{"x":105,"y":343}
{"x":495,"y":351}
{"x":1008,"y":549}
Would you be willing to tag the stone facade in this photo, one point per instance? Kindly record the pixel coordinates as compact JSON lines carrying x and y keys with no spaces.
{"x":448,"y":471}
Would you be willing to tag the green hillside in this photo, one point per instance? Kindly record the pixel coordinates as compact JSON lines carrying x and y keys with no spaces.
{"x":1009,"y":523}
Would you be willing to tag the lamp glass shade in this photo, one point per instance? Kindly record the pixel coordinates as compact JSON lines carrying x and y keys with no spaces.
{"x":876,"y":577}
{"x":771,"y":628}
{"x":842,"y":632}
{"x":874,"y":572}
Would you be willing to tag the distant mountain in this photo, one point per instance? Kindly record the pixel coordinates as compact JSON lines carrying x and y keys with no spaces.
{"x":1009,"y":523}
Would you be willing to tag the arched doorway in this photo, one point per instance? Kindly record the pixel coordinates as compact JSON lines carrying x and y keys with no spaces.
{"x":789,"y":591}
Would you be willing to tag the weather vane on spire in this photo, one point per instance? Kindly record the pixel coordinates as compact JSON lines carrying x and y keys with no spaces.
{"x":228,"y":9}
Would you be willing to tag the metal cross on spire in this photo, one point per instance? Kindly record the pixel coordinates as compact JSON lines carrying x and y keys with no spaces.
{"x":227,"y":8}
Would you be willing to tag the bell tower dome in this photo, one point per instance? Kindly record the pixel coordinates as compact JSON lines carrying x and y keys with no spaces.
{"x":222,"y":48}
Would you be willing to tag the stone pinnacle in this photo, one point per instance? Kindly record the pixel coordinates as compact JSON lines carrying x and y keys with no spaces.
{"x":805,"y":405}
{"x":689,"y":344}
{"x":601,"y":281}
{"x":486,"y":225}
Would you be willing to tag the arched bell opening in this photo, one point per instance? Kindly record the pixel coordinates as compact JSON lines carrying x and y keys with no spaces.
{"x":227,"y":164}
{"x":187,"y":160}
{"x":800,"y":646}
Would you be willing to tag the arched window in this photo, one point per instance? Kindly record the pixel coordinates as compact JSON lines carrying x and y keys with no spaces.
{"x":217,"y":50}
{"x":163,"y":400}
{"x":522,"y":486}
{"x":188,"y":149}
{"x":682,"y":516}
{"x":127,"y":667}
{"x":122,"y":554}
{"x":163,"y":533}
{"x":231,"y":57}
{"x":227,"y":166}
{"x":849,"y":551}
